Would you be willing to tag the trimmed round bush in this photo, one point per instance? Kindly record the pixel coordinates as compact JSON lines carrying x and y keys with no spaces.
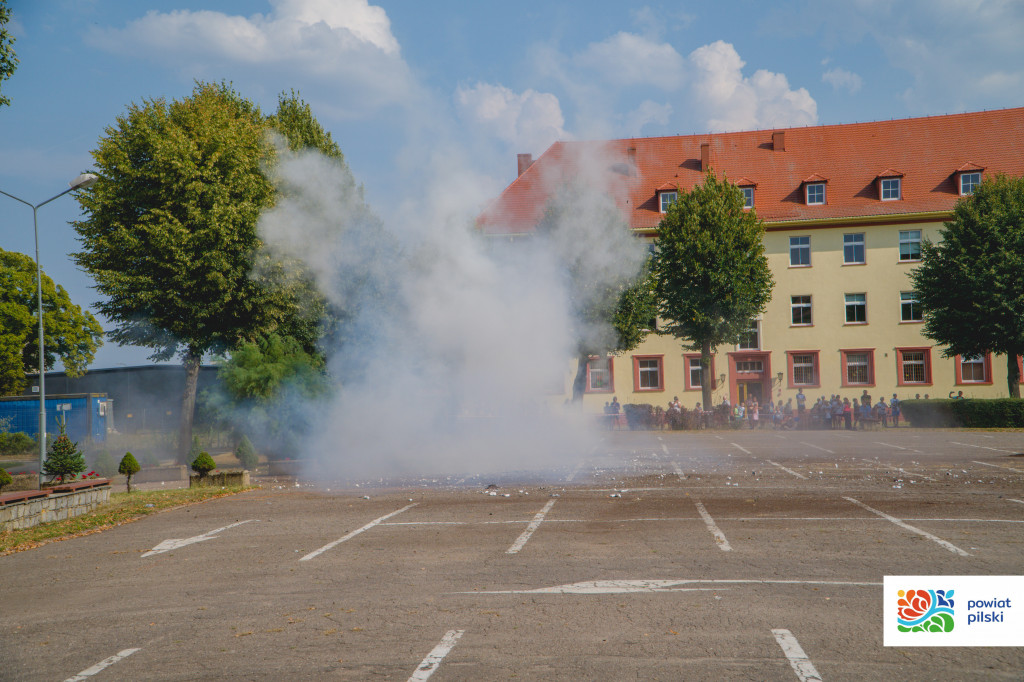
{"x":127,"y":468}
{"x":246,"y":454}
{"x":203,"y":464}
{"x":5,"y":478}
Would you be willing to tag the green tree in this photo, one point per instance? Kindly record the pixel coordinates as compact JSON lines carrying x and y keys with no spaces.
{"x":65,"y":460}
{"x":128,"y":467}
{"x":8,"y":60}
{"x":710,"y":271}
{"x":604,"y":267}
{"x":246,"y":454}
{"x":170,"y":235}
{"x":268,"y":386}
{"x":5,"y":478}
{"x":70,"y":334}
{"x":971,"y":283}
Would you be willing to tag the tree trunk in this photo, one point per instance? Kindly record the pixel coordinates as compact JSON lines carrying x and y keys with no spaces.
{"x":188,"y":404}
{"x":579,"y":384}
{"x":705,"y":374}
{"x":1012,"y":375}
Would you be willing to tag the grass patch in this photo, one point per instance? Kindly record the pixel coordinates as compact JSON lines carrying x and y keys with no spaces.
{"x":122,"y":508}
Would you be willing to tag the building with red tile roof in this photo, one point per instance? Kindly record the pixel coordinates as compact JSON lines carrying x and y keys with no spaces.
{"x":845,"y":209}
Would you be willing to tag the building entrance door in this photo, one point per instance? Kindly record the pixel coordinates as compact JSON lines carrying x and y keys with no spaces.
{"x":749,"y":389}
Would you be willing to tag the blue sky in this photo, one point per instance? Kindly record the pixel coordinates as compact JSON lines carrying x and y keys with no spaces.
{"x":431,"y":101}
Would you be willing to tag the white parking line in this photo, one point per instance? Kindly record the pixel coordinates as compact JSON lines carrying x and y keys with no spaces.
{"x":575,"y":471}
{"x":788,"y":471}
{"x":818,"y":447}
{"x":998,"y":466}
{"x":437,"y":654}
{"x":678,"y":469}
{"x":802,"y":665}
{"x":723,"y":544}
{"x":740,"y":447}
{"x":1013,"y":500}
{"x":105,"y":663}
{"x":632,"y":586}
{"x":890,"y":445}
{"x":664,"y":448}
{"x":534,"y":525}
{"x":168,"y":545}
{"x":980,"y":447}
{"x":371,"y":524}
{"x":906,"y":526}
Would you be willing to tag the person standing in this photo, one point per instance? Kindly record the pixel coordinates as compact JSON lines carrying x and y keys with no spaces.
{"x":894,"y":410}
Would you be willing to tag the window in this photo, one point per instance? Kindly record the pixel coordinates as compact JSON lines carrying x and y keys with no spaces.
{"x":751,"y":339}
{"x":599,"y":375}
{"x":647,"y":373}
{"x":910,"y":307}
{"x":853,"y":248}
{"x":890,"y":189}
{"x":815,"y":193}
{"x":693,"y":372}
{"x":748,"y":197}
{"x":858,"y":367}
{"x":856,"y":308}
{"x":914,"y":366}
{"x":803,"y":368}
{"x":801,"y":309}
{"x":972,"y":370}
{"x":666,"y":199}
{"x":968,"y":181}
{"x":910,"y":244}
{"x":750,"y":366}
{"x":799,"y":252}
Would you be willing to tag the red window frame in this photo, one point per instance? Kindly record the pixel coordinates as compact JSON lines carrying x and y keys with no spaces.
{"x":636,"y":374}
{"x":611,"y":376}
{"x":789,"y":369}
{"x":844,"y":353}
{"x":958,"y":366}
{"x":927,"y":366}
{"x":686,"y":364}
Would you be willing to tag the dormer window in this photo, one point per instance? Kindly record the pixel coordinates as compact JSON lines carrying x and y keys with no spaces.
{"x":814,"y":192}
{"x":890,"y":189}
{"x":747,"y":186}
{"x":969,"y":177}
{"x":968,"y":181}
{"x":890,"y":185}
{"x":666,"y":199}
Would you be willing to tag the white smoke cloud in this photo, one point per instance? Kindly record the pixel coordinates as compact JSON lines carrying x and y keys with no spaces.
{"x":346,"y":42}
{"x":457,"y":343}
{"x":529,"y":121}
{"x":732,"y":101}
{"x":628,"y":59}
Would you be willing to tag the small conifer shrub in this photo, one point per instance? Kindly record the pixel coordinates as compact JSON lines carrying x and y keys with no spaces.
{"x":203,"y":464}
{"x":246,"y":454}
{"x":127,"y":468}
{"x":65,"y":460}
{"x":5,"y":478}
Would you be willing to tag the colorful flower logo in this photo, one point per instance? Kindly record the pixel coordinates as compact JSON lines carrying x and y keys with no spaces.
{"x":925,"y":611}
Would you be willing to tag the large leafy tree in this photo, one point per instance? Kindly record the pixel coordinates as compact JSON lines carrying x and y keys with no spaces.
{"x":710,"y":271}
{"x":971,"y":283}
{"x":70,"y":334}
{"x":610,"y":291}
{"x":170,"y":235}
{"x":8,"y":60}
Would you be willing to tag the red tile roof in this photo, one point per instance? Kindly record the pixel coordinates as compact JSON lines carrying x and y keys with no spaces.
{"x":928,"y":151}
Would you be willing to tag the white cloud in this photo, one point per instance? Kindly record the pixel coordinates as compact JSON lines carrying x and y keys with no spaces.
{"x":346,"y":42}
{"x":842,"y":79}
{"x":732,"y":101}
{"x":648,"y":112}
{"x":528,"y":121}
{"x":628,"y":59}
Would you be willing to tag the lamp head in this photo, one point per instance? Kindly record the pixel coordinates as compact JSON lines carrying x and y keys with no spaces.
{"x":84,"y":181}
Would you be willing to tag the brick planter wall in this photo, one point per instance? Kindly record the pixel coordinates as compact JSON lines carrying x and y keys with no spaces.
{"x":51,"y":505}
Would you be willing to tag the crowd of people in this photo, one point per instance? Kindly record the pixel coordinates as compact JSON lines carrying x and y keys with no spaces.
{"x":834,"y":412}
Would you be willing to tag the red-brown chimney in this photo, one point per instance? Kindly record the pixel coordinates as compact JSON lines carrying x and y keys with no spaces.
{"x":525,"y":161}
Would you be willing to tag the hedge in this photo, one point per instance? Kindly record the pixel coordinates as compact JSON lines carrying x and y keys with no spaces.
{"x":996,"y":413}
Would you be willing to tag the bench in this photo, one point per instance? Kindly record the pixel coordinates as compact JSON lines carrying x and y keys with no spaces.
{"x":22,"y":496}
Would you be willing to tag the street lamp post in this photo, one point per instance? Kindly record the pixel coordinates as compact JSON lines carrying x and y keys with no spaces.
{"x":81,"y":182}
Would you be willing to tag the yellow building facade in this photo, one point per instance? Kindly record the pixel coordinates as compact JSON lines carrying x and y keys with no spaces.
{"x":846,"y":209}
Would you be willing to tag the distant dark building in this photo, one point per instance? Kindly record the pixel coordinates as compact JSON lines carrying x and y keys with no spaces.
{"x":145,"y":398}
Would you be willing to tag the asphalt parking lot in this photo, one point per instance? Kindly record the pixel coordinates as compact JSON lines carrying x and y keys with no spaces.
{"x":655,"y":555}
